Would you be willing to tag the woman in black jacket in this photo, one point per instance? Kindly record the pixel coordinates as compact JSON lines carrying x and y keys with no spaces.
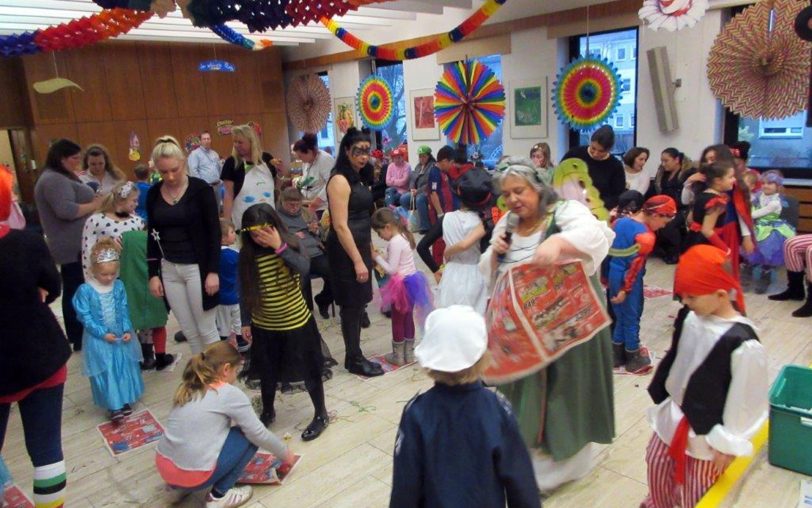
{"x":183,"y":246}
{"x":33,"y":350}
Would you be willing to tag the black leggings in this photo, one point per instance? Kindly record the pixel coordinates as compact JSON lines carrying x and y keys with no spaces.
{"x":72,"y":278}
{"x":351,"y":332}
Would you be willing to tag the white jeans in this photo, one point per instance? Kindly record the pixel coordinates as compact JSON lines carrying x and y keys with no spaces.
{"x":184,"y":292}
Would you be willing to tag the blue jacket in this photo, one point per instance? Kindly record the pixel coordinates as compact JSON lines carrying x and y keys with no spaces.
{"x":459,"y":446}
{"x":229,"y":276}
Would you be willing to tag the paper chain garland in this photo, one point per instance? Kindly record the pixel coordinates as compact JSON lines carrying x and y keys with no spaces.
{"x":469,"y":102}
{"x":74,"y":34}
{"x":375,"y":103}
{"x":586,"y":92}
{"x":433,"y":46}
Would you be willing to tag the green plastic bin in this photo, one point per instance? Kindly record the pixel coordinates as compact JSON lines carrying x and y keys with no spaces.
{"x":791,"y":419}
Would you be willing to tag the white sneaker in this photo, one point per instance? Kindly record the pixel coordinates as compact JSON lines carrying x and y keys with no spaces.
{"x":236,"y":496}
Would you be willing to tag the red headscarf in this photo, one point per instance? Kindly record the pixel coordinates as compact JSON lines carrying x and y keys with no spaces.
{"x":704,"y":269}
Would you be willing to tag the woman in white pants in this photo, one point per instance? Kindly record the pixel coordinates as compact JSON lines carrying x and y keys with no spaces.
{"x":183,"y":247}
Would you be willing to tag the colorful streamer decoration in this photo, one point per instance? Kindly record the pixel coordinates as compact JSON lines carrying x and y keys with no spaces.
{"x":230,"y":35}
{"x":469,"y":102}
{"x":428,"y":48}
{"x":376,"y":103}
{"x":586,"y":92}
{"x":74,"y":34}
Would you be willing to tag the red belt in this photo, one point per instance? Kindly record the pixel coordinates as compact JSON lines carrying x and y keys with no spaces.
{"x":676,"y":450}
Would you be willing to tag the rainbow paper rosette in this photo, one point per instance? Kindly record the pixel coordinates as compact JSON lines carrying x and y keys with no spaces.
{"x":469,"y":102}
{"x":376,"y":103}
{"x":586,"y":92}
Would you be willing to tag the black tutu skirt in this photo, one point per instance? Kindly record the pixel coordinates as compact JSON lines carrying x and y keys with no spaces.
{"x":286,"y":356}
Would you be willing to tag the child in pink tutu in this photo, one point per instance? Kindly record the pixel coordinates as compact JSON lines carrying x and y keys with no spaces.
{"x":407,"y":289}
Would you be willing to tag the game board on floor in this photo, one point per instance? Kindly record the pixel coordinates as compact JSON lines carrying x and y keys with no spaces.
{"x":655,"y":292}
{"x":137,"y":430}
{"x":13,"y":497}
{"x":263,"y":469}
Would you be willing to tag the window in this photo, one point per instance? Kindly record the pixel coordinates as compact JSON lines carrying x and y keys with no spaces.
{"x":395,"y":134}
{"x":491,"y":148}
{"x":633,"y":121}
{"x":595,"y":53}
{"x":779,"y":144}
{"x":326,"y":135}
{"x":620,"y":48}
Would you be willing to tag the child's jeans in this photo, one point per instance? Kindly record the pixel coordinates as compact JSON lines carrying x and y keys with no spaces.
{"x":402,"y":325}
{"x":664,"y":492}
{"x":628,"y":313}
{"x":236,"y":453}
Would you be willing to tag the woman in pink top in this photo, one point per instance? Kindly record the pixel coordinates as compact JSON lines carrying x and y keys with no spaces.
{"x":397,"y":178}
{"x":407,"y":288}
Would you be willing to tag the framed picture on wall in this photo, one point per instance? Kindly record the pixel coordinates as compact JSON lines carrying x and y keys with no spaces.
{"x":345,"y":116}
{"x":424,"y":125}
{"x":527,"y":109}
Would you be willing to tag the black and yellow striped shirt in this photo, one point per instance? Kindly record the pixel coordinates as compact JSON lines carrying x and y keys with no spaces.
{"x":282,"y":306}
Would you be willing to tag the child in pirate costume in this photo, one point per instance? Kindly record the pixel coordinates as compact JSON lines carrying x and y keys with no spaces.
{"x":710,"y":389}
{"x":633,"y":242}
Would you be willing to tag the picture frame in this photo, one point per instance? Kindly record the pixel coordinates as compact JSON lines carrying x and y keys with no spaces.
{"x":528,"y":109}
{"x":421,"y":111}
{"x":345,"y":115}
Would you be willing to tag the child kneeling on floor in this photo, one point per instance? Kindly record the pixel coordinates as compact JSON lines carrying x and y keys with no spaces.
{"x":711,"y":387}
{"x":200,"y":448}
{"x":459,"y":444}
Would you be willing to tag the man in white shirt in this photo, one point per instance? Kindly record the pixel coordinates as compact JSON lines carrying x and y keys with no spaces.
{"x":204,"y":163}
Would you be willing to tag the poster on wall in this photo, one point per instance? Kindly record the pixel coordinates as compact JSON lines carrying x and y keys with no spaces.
{"x":424,"y":125}
{"x":345,"y":116}
{"x":528,"y":109}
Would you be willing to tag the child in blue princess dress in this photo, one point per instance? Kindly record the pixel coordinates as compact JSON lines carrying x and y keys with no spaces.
{"x":111,"y":356}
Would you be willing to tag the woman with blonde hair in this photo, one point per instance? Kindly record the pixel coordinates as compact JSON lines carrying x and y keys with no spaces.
{"x":248,"y":175}
{"x":100,"y":172}
{"x":183,"y":244}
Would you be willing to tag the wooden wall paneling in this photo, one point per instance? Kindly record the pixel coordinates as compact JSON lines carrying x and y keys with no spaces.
{"x":43,"y":134}
{"x":86,"y":67}
{"x":123,"y":73}
{"x":221,"y":144}
{"x":224,"y":92}
{"x":159,"y":127}
{"x":55,"y":108}
{"x":157,"y":80}
{"x":104,"y":133}
{"x":275,"y":135}
{"x":190,"y":88}
{"x":120,"y":148}
{"x":14,"y":106}
{"x":248,"y":87}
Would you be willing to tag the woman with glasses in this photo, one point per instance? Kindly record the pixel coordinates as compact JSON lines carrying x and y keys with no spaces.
{"x":349,"y":245}
{"x":183,"y":246}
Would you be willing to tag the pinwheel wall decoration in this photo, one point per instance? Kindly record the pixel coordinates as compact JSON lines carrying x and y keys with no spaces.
{"x":308,"y":103}
{"x":758,"y":67}
{"x":376,"y":103}
{"x":586,"y":92}
{"x":469,"y":102}
{"x":74,"y":34}
{"x":672,"y":14}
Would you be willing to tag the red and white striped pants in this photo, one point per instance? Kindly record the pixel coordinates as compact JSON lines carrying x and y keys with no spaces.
{"x":798,"y":255}
{"x":663,"y":490}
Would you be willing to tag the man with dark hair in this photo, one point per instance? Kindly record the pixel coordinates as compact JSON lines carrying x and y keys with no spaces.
{"x":441,"y":199}
{"x":606,"y":171}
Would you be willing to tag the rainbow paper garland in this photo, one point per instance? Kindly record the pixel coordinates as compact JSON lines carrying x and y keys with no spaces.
{"x":469,"y":102}
{"x":427,"y":48}
{"x":376,"y":103}
{"x":236,"y":38}
{"x":586,"y":92}
{"x":74,"y":34}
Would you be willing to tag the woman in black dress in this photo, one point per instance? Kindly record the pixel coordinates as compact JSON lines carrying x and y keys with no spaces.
{"x":349,"y":245}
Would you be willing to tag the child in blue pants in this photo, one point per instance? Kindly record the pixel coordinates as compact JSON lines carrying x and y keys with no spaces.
{"x":633,"y":242}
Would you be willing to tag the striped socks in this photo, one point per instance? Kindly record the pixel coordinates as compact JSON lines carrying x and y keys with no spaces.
{"x":49,"y":485}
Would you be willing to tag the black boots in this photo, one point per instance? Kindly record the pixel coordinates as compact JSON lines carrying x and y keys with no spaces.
{"x":795,"y":288}
{"x":149,"y":357}
{"x":618,"y":355}
{"x":806,"y":309}
{"x":638,"y":362}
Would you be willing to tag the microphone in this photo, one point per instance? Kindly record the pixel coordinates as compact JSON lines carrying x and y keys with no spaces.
{"x":512,"y":222}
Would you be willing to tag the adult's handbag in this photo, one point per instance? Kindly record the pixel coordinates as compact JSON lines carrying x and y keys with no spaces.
{"x":537,"y":314}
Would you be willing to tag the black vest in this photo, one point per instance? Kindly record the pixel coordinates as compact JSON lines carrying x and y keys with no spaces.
{"x":706,"y":393}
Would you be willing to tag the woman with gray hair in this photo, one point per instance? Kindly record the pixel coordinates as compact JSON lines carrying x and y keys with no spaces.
{"x":568,"y":404}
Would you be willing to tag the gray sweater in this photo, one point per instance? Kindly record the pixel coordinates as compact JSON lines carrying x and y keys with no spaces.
{"x":58,"y":198}
{"x":195,"y":432}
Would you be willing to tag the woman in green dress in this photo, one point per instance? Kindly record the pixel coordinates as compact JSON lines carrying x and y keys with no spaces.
{"x":569,"y":404}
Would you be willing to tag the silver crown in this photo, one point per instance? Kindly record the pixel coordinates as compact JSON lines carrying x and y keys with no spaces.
{"x":106,"y":256}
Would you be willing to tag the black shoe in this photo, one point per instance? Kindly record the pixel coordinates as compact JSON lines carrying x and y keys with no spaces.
{"x":315,"y":428}
{"x":365,"y":320}
{"x":163,"y":360}
{"x":117,"y":416}
{"x":148,"y":364}
{"x":179,"y":337}
{"x":387,"y":313}
{"x":326,"y":375}
{"x":364,"y":367}
{"x":324,"y":310}
{"x":795,"y":288}
{"x":127,"y":410}
{"x":267,"y":417}
{"x":329,"y":362}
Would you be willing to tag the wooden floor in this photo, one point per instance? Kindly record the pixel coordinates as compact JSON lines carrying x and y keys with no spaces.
{"x":351,"y":463}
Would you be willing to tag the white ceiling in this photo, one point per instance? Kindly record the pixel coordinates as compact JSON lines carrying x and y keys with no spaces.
{"x":21,"y":15}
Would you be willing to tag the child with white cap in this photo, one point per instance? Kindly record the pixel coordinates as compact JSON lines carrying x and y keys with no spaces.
{"x":459,"y":444}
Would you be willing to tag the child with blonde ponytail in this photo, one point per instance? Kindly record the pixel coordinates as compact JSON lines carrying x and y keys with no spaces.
{"x":212,"y":454}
